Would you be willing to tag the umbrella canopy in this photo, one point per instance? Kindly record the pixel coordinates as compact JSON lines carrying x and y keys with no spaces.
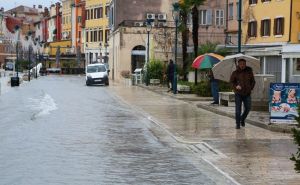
{"x":206,"y":61}
{"x":223,"y":69}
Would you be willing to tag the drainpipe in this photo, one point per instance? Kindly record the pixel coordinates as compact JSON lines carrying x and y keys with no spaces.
{"x":240,"y":27}
{"x":291,"y":11}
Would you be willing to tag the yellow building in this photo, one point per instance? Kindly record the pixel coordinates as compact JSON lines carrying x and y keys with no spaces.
{"x":269,"y":28}
{"x":96,"y":30}
{"x":66,"y":19}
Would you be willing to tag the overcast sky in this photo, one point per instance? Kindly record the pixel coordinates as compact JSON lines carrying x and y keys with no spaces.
{"x":9,"y":4}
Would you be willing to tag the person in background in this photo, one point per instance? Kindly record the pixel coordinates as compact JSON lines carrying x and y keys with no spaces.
{"x":214,"y":86}
{"x":243,"y":82}
{"x":170,"y":74}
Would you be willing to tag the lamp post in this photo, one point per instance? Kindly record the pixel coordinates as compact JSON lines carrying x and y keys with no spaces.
{"x":240,"y":27}
{"x":148,"y":29}
{"x":29,"y":54}
{"x":175,"y":13}
{"x":15,"y":81}
{"x":100,"y":54}
{"x":106,"y":55}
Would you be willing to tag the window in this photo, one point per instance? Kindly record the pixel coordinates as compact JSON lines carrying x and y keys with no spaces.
{"x":230,"y":11}
{"x":100,"y":33}
{"x":95,"y":36}
{"x":87,"y":13}
{"x":87,"y":36}
{"x":92,"y":37}
{"x":202,"y":18}
{"x":106,"y":35}
{"x":92,"y":14}
{"x":279,"y":26}
{"x":219,"y":17}
{"x":79,"y":36}
{"x":265,"y":27}
{"x":100,"y":12}
{"x":265,"y":1}
{"x":252,"y":26}
{"x":79,"y":19}
{"x":205,"y":17}
{"x":252,"y":2}
{"x":107,"y":11}
{"x":296,"y":66}
{"x":96,"y":13}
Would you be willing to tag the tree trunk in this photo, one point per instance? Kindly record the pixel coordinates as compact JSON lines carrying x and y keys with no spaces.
{"x":185,"y":31}
{"x":195,"y":18}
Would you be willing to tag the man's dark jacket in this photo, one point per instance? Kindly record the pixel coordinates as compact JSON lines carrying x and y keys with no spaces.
{"x":245,"y":79}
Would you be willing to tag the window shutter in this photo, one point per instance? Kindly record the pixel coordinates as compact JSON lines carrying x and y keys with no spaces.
{"x":282,"y":26}
{"x":249,"y":29}
{"x":274,"y":28}
{"x":209,"y":17}
{"x":255,"y":29}
{"x":262,"y":27}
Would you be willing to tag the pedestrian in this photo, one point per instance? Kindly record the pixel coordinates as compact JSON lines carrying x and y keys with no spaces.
{"x":243,"y":82}
{"x":170,"y":74}
{"x":214,"y":86}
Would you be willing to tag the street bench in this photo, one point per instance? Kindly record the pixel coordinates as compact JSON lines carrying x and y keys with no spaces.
{"x":183,"y":89}
{"x":154,"y":81}
{"x":227,"y":99}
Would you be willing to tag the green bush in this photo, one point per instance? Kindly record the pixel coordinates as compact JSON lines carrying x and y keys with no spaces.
{"x":155,"y":70}
{"x":296,"y":135}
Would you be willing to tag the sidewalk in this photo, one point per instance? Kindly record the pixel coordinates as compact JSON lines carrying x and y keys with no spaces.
{"x":256,"y":118}
{"x":250,"y":155}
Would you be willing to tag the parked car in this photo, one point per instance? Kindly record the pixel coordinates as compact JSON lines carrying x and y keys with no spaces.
{"x":96,"y":74}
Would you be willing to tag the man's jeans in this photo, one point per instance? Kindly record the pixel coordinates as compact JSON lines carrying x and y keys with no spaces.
{"x":215,"y":90}
{"x":246,"y":100}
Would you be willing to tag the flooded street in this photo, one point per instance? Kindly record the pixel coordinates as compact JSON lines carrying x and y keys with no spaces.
{"x":56,"y":130}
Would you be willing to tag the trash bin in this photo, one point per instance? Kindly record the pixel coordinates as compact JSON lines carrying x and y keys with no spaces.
{"x":14,"y":81}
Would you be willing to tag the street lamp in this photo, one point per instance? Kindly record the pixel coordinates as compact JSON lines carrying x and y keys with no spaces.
{"x":175,"y":13}
{"x":148,"y":29}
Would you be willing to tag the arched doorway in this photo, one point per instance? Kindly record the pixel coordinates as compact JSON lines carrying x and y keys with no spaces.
{"x":138,"y":54}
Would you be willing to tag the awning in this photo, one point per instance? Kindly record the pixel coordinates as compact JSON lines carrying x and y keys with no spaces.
{"x":291,"y":51}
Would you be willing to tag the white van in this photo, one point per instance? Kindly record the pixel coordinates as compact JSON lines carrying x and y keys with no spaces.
{"x":96,"y":74}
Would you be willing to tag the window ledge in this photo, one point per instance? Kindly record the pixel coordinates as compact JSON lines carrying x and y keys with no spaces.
{"x":266,"y":36}
{"x":278,"y":36}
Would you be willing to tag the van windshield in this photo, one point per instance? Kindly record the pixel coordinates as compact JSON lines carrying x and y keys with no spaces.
{"x":95,"y":69}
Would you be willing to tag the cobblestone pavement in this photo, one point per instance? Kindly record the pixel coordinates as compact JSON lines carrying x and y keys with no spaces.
{"x":251,"y":155}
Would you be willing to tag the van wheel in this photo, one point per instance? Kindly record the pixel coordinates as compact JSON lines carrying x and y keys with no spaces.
{"x":107,"y":83}
{"x":87,"y":84}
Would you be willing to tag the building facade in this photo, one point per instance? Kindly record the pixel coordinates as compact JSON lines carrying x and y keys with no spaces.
{"x":96,"y":30}
{"x":128,"y":41}
{"x":268,"y":28}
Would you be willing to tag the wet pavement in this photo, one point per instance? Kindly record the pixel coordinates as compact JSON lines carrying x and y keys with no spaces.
{"x":252,"y":155}
{"x":56,"y":130}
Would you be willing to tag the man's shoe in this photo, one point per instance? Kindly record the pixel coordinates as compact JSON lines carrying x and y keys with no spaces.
{"x":214,"y":103}
{"x":243,"y":124}
{"x":237,"y":127}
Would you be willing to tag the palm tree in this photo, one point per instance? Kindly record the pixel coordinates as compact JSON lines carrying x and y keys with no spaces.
{"x":184,"y":11}
{"x":195,"y":18}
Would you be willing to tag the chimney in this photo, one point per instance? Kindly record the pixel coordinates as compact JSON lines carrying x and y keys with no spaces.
{"x":34,"y":6}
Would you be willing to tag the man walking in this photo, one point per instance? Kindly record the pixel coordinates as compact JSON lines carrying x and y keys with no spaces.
{"x":243,"y":82}
{"x":170,"y":73}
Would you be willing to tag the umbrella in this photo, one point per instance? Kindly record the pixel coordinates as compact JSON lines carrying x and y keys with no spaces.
{"x":206,"y":61}
{"x":223,"y":69}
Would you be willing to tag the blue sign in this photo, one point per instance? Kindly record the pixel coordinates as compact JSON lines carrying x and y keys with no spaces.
{"x":283,"y":103}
